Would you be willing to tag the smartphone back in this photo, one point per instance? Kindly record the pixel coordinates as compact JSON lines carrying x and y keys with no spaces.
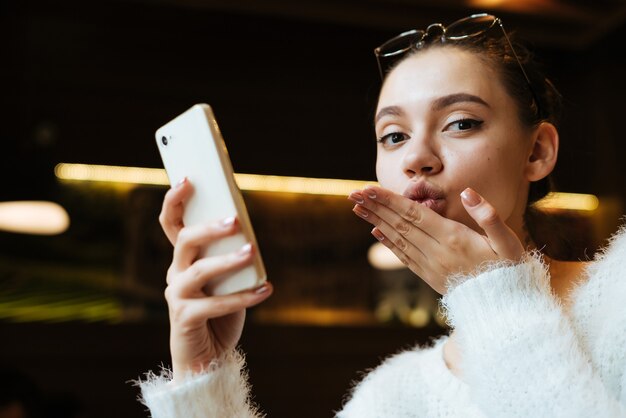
{"x":191,"y":146}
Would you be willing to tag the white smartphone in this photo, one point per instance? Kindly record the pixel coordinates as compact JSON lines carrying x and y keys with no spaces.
{"x":192,"y":146}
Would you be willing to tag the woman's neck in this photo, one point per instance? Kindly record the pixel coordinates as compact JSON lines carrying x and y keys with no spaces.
{"x":564,"y":277}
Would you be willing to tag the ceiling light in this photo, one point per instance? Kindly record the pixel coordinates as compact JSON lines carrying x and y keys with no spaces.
{"x":382,"y":258}
{"x":33,"y":217}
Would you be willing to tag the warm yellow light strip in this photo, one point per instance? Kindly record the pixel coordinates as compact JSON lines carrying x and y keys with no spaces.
{"x":111,"y":174}
{"x":280,"y":184}
{"x":569,"y":201}
{"x":334,"y":187}
{"x":254,"y":182}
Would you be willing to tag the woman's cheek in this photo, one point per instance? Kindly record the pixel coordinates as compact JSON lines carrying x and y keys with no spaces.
{"x":395,"y":184}
{"x":387,"y":176}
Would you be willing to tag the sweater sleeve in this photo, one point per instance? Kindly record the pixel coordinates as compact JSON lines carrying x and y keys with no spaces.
{"x":521,"y":357}
{"x":221,"y":391}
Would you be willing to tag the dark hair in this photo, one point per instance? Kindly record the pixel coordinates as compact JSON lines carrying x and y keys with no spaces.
{"x":541,"y":104}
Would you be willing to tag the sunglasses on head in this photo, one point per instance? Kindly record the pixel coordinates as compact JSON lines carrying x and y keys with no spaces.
{"x":472,"y":26}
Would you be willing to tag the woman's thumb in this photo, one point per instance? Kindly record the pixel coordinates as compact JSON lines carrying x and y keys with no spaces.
{"x":502,"y":238}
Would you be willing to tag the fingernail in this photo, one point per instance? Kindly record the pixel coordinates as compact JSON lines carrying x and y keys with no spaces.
{"x":361,"y":211}
{"x":356,"y":197}
{"x":228,"y":222}
{"x":181,"y":182}
{"x":470,"y":197}
{"x":264,"y":288}
{"x":370,"y":193}
{"x":377,"y":234}
{"x":245,"y":249}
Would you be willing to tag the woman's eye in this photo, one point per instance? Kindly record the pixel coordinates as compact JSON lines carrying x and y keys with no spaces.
{"x":463,"y":125}
{"x":393,"y":138}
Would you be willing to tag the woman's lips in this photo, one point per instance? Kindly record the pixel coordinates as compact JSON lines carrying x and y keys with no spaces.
{"x":428,"y":195}
{"x":437,"y":205}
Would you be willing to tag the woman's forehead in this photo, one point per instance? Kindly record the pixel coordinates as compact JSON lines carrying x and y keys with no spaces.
{"x":437,"y":72}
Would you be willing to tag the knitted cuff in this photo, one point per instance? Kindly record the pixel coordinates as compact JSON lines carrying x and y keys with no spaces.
{"x":220,"y":391}
{"x":494,"y":301}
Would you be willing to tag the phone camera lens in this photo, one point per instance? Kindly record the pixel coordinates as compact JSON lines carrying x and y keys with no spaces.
{"x":164,"y":140}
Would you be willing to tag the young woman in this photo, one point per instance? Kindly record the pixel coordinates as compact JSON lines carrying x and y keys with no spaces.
{"x":466,"y":139}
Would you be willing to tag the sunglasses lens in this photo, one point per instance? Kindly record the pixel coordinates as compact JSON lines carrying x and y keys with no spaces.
{"x":470,"y":26}
{"x":400,"y":44}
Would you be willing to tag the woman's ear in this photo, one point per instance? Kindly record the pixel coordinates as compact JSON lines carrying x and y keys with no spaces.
{"x":543,"y":155}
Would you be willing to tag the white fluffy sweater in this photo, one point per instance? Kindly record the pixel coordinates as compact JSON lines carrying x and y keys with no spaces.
{"x":523,"y":355}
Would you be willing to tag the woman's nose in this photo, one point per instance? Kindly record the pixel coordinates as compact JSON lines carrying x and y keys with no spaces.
{"x":421,"y":158}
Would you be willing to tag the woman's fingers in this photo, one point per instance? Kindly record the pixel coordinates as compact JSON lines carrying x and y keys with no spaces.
{"x":171,"y":216}
{"x":501,"y":238}
{"x":403,"y":239}
{"x":400,"y":227}
{"x":191,"y":240}
{"x":401,"y":208}
{"x":219,"y":306}
{"x":191,"y":282}
{"x":392,"y":230}
{"x":199,"y":310}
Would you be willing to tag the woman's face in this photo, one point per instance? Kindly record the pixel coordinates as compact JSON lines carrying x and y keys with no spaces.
{"x":445,"y":122}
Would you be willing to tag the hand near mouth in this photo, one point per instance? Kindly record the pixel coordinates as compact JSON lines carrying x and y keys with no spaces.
{"x":432,"y":246}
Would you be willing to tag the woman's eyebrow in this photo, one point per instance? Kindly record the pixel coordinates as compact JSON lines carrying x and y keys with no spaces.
{"x":445,"y":101}
{"x":389,"y":110}
{"x":437,"y":104}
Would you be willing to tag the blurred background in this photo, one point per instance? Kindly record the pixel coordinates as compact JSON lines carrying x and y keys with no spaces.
{"x":293,"y":86}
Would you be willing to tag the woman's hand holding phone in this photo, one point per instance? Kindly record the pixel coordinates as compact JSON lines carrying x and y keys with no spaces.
{"x":202,"y":326}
